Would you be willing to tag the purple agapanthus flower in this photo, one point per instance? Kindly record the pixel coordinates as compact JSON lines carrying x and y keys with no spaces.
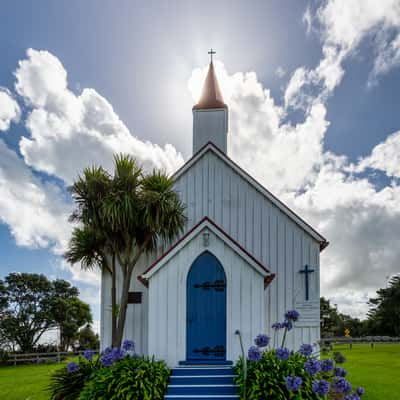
{"x":261,"y":340}
{"x":276,"y":326}
{"x":339,"y":371}
{"x":88,"y":354}
{"x":327,"y":365}
{"x":73,"y":367}
{"x":254,"y":353}
{"x":292,"y":315}
{"x":287,"y":325}
{"x":117,"y":353}
{"x":293,"y":383}
{"x":128,"y":345}
{"x":312,"y":366}
{"x":306,"y":350}
{"x":282,"y":353}
{"x":321,"y":387}
{"x":340,"y":385}
{"x":353,"y":396}
{"x":360,"y":391}
{"x":106,"y":358}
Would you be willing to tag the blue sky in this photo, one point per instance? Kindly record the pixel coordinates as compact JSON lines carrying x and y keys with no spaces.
{"x":321,"y":139}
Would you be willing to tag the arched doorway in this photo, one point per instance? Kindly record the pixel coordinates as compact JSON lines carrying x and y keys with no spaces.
{"x":206,"y":310}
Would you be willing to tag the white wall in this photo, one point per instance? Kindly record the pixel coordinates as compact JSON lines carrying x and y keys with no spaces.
{"x":210,"y":126}
{"x":167,"y":301}
{"x":211,"y":187}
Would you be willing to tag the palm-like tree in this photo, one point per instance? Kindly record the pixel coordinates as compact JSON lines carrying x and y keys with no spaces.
{"x":91,"y":243}
{"x":123,"y":216}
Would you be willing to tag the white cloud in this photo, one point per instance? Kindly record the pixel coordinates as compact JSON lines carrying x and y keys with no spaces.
{"x":9,"y":110}
{"x":77,"y":274}
{"x":35,"y":212}
{"x":388,"y":56}
{"x":280,"y":72}
{"x":280,"y":154}
{"x":361,"y":222}
{"x":345,"y":23}
{"x":385,"y":157}
{"x":70,"y":132}
{"x":342,"y":26}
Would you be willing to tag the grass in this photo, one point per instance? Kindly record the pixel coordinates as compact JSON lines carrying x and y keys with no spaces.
{"x":376,"y":369}
{"x":26,"y":382}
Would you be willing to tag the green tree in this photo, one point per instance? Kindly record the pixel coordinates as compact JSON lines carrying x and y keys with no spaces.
{"x":70,"y":313}
{"x":130,"y":212}
{"x":384,"y":314}
{"x":330,"y":319}
{"x":88,"y":339}
{"x":93,"y":244}
{"x":33,"y":306}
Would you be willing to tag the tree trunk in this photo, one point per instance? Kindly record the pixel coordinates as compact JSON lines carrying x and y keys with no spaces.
{"x":125,"y":290}
{"x":113,"y":303}
{"x":123,"y":306}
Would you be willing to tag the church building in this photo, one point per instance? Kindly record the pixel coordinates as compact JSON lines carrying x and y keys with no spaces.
{"x":243,"y":259}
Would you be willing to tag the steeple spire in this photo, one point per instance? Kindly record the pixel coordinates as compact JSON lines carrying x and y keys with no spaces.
{"x":211,"y":96}
{"x":210,"y":114}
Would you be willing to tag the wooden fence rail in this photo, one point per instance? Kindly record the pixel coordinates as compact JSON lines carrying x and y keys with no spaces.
{"x":38,"y":358}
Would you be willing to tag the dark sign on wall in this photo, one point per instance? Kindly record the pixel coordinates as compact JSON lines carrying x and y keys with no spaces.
{"x":135,"y":298}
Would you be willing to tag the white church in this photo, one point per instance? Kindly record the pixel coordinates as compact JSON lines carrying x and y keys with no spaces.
{"x":242,"y":261}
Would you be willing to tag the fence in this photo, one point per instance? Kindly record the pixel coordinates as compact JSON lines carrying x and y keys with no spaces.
{"x":39,"y":358}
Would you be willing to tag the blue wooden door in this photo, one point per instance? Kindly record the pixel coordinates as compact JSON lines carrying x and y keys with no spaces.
{"x":206,"y":310}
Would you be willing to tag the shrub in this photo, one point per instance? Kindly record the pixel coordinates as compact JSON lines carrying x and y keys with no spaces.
{"x":67,"y":382}
{"x":281,"y":374}
{"x":4,"y":357}
{"x":136,"y":378}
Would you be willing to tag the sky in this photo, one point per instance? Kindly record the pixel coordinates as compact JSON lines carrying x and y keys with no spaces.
{"x":313,"y":95}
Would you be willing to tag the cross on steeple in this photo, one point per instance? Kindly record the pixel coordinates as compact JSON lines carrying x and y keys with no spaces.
{"x":306,"y":271}
{"x":211,"y":53}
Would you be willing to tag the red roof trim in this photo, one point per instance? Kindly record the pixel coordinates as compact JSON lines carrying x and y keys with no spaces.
{"x":204,"y":219}
{"x":323,"y":243}
{"x":268,"y":279}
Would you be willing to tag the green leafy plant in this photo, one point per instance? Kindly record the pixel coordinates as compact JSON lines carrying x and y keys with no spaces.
{"x":68,"y":382}
{"x":136,"y":378}
{"x":4,"y":356}
{"x":282,"y":374}
{"x":266,"y":378}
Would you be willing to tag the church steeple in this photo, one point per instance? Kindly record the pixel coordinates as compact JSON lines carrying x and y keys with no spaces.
{"x":210,"y":114}
{"x":211,"y":96}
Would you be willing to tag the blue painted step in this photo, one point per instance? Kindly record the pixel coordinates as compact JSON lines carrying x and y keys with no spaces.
{"x":202,"y":380}
{"x":199,"y":383}
{"x":206,"y":370}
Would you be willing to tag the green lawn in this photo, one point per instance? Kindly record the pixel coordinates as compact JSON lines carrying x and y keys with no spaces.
{"x":25,"y":382}
{"x":377,"y":369}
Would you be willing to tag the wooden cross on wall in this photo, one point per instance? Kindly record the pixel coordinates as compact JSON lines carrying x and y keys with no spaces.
{"x":306,"y":271}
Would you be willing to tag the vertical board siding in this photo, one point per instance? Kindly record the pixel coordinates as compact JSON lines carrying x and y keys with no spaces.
{"x":267,"y":233}
{"x":211,"y":188}
{"x":167,"y":301}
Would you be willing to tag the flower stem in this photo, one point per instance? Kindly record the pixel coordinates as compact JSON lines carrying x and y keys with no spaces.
{"x":284,"y":337}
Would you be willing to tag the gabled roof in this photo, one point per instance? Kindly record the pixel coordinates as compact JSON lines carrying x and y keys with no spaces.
{"x":210,"y":147}
{"x":211,"y":96}
{"x":207,"y":223}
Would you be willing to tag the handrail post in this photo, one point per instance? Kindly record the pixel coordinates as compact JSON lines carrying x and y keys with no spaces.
{"x":244,"y":368}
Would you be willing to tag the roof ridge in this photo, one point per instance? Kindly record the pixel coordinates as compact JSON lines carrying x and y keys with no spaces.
{"x":258,"y":186}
